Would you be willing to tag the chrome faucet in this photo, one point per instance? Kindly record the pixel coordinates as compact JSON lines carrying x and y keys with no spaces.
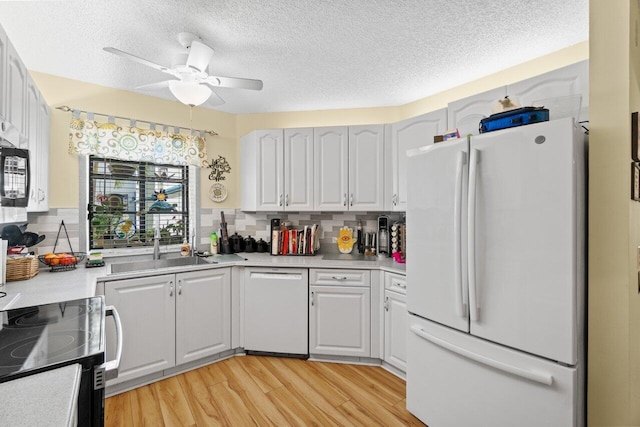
{"x":156,"y":244}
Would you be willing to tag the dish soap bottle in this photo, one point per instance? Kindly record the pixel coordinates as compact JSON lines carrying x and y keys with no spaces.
{"x":214,"y":243}
{"x":185,"y":249}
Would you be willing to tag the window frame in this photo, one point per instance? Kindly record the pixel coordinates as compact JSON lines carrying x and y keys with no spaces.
{"x":193,"y":220}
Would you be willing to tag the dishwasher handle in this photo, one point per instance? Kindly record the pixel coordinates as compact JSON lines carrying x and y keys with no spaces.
{"x":276,"y":276}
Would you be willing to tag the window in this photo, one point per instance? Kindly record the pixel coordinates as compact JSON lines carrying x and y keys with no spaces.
{"x":129,"y":201}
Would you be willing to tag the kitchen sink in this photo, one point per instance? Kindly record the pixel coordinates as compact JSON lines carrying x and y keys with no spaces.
{"x":155,"y":264}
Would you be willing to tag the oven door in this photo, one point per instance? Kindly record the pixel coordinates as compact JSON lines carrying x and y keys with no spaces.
{"x":15,"y":182}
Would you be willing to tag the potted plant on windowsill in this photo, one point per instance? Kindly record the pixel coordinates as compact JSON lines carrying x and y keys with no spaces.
{"x":104,"y":216}
{"x":173,"y":232}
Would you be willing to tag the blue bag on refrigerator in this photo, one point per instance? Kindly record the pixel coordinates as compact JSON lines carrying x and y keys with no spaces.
{"x":513,"y":118}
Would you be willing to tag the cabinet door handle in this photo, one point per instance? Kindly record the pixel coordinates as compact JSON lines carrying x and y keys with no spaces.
{"x":41,"y":193}
{"x":386,"y":304}
{"x":344,"y":200}
{"x":280,"y":200}
{"x":339,"y":277}
{"x":179,"y":287}
{"x":312,"y":298}
{"x":395,"y":200}
{"x":286,"y":200}
{"x":351,"y":203}
{"x":170,"y":289}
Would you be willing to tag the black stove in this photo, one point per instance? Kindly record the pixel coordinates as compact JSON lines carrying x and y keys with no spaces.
{"x":40,"y":338}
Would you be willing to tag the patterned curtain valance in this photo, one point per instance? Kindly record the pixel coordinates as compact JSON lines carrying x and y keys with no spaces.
{"x":114,"y":141}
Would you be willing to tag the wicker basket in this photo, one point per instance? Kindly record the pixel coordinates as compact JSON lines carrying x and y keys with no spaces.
{"x":21,"y":268}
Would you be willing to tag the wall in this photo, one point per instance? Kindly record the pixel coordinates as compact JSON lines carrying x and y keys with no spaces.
{"x":249,"y":122}
{"x":614,"y":230}
{"x":60,"y":91}
{"x":63,"y":167}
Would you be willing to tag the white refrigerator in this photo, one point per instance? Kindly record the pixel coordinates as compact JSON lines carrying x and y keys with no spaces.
{"x":496,"y":278}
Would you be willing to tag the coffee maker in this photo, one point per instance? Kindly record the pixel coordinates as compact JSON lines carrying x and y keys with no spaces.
{"x":383,"y":247}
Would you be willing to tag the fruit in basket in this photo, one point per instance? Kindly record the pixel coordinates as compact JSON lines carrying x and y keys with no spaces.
{"x":51,"y":259}
{"x":67,"y":259}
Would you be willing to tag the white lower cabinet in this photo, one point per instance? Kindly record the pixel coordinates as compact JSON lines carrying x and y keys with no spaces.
{"x":339,"y":315}
{"x":396,"y":320}
{"x":396,"y":324}
{"x":203,"y":314}
{"x":170,"y":319}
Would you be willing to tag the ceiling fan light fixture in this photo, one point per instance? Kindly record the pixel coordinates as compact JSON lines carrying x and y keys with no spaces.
{"x":189,"y":93}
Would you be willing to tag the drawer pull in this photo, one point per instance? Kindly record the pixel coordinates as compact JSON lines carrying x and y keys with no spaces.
{"x":339,"y":277}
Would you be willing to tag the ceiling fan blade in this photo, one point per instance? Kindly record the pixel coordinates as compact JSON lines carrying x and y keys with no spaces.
{"x":234,"y":82}
{"x":153,"y":86}
{"x":199,"y":56}
{"x":214,"y":100}
{"x":138,"y":59}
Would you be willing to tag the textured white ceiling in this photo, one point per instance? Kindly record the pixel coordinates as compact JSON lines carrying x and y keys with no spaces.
{"x":311,"y":54}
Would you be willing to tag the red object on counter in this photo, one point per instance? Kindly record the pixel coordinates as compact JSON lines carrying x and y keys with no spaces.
{"x":397,"y":257}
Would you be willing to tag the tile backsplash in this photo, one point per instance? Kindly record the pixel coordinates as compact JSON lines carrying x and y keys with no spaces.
{"x":256,"y":224}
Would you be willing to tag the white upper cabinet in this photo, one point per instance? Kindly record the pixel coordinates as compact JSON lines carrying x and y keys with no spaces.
{"x":557,"y":90}
{"x":3,"y":74}
{"x":349,"y":168}
{"x":331,"y":168}
{"x":298,"y":169}
{"x":366,"y":168}
{"x":262,"y":179}
{"x":16,"y":91}
{"x":465,"y":114}
{"x":31,"y":134}
{"x":406,"y":135}
{"x":42,"y":180}
{"x":277,"y":170}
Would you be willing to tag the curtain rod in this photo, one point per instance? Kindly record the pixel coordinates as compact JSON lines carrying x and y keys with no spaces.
{"x":66,"y":109}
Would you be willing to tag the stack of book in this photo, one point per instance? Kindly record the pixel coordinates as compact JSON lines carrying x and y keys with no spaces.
{"x":302,"y":241}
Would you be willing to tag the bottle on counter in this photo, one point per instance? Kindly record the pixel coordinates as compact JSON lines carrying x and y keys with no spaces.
{"x":185,"y":249}
{"x":213,"y":249}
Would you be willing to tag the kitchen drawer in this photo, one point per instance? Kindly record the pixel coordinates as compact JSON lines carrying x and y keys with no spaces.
{"x":395,"y":282}
{"x":335,"y":277}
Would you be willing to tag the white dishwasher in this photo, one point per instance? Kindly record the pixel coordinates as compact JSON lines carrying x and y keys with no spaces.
{"x":276,"y":311}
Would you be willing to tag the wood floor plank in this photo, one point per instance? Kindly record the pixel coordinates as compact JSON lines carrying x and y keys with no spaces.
{"x":231,"y":406}
{"x":117,"y":410}
{"x":306,"y":389}
{"x":294,"y":409}
{"x":331,"y":393}
{"x":267,"y":391}
{"x":356,"y":414}
{"x":203,"y":406}
{"x":410,"y":419}
{"x":365,"y":376}
{"x":145,"y":407}
{"x":260,"y":374}
{"x":371,"y":402}
{"x":174,"y":406}
{"x":262,"y":409}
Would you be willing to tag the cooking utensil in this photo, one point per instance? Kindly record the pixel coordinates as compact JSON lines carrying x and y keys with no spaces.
{"x":31,"y":239}
{"x":12,"y":234}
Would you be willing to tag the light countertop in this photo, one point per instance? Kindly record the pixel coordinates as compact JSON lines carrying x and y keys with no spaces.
{"x":49,"y":287}
{"x":45,"y":399}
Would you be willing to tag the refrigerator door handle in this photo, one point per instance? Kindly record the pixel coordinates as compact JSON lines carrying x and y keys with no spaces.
{"x":539,"y":377}
{"x":471,"y":240}
{"x":457,"y":237}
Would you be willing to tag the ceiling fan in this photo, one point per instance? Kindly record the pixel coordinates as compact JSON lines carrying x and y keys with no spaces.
{"x":192,"y":84}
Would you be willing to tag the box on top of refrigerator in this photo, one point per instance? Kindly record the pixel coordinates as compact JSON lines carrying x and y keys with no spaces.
{"x":512,"y":118}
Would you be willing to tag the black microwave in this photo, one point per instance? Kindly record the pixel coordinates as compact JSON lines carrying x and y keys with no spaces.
{"x":15,"y":182}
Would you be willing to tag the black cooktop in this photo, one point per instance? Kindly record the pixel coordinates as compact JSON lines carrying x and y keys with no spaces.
{"x":33,"y":339}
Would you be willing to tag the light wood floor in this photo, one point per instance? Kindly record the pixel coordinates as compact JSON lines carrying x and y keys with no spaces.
{"x":267,"y":391}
